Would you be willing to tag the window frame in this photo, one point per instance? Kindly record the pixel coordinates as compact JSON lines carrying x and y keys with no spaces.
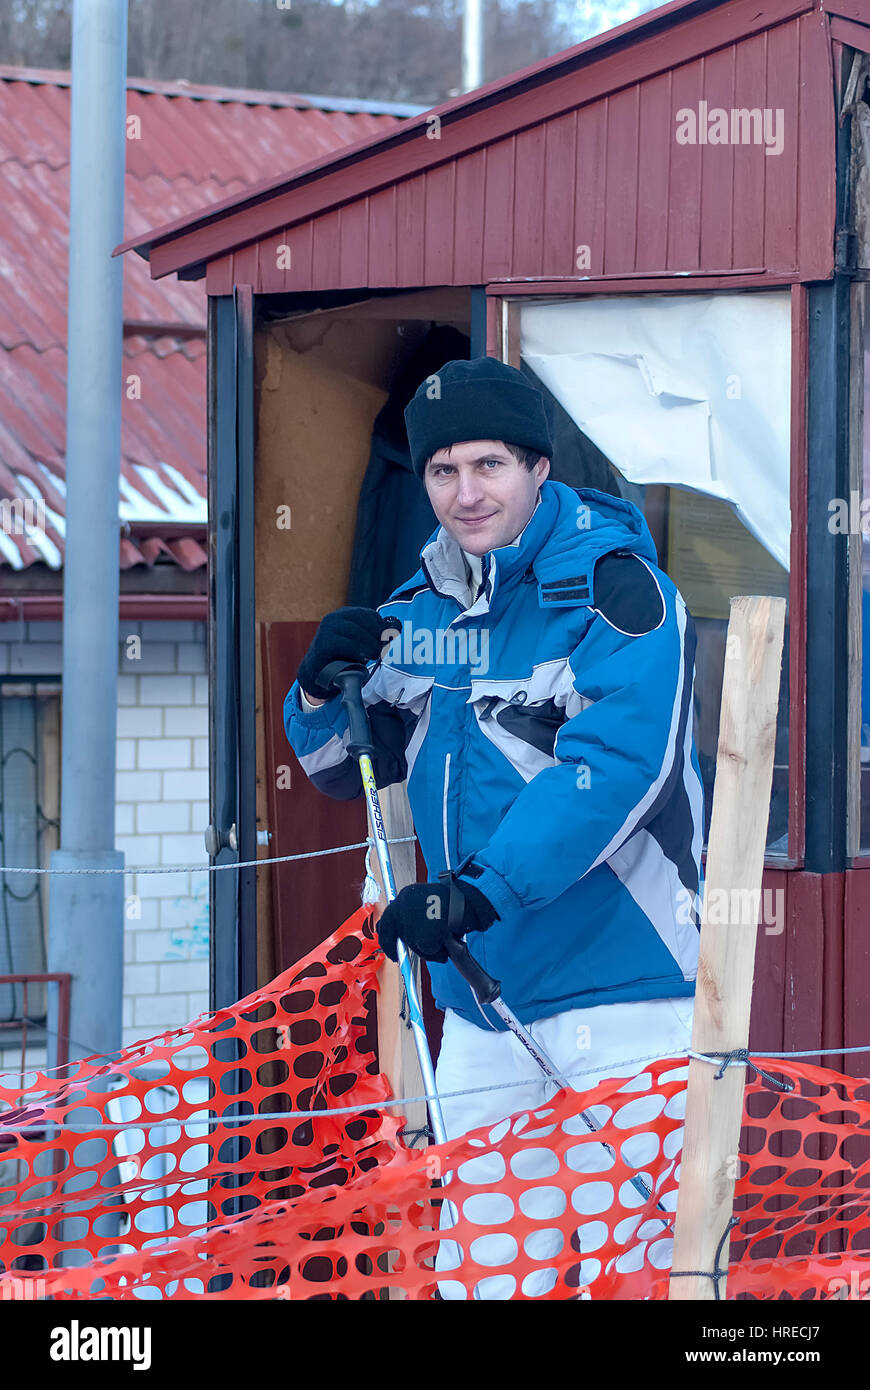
{"x":47,"y":690}
{"x":859,"y":310}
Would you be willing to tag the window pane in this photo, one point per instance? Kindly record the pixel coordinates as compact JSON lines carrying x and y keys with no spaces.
{"x":23,"y":830}
{"x":682,"y":405}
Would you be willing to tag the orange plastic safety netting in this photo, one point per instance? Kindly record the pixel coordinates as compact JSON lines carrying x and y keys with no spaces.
{"x":190,"y":1174}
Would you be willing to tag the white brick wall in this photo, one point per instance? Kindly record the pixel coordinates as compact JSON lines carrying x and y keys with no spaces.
{"x":161,"y":811}
{"x":165,"y":717}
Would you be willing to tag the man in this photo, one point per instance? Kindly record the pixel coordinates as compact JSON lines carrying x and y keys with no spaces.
{"x":539,"y":701}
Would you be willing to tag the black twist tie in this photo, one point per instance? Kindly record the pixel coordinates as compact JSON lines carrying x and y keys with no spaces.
{"x":411,"y":1136}
{"x":718,"y":1273}
{"x":741,"y":1054}
{"x":404,"y":1007}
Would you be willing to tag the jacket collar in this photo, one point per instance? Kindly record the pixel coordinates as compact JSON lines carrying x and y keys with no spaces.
{"x":444,"y":565}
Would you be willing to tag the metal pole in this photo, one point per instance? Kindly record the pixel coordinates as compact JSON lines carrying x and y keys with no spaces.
{"x":472,"y":45}
{"x":86,"y":916}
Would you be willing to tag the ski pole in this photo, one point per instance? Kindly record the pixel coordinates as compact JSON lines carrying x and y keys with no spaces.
{"x":350,"y":679}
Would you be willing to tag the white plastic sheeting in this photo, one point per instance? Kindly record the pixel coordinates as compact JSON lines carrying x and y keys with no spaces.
{"x":688,"y":390}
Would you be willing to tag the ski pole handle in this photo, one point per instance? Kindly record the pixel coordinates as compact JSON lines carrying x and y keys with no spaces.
{"x":350,"y":677}
{"x":485,"y":987}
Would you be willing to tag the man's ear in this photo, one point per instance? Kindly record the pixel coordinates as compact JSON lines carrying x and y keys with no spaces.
{"x":544,"y":473}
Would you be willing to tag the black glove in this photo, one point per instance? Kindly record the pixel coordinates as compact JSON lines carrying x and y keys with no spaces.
{"x":420,"y":913}
{"x":347,"y":634}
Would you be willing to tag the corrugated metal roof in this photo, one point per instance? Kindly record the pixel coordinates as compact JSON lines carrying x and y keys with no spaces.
{"x":251,"y":96}
{"x":191,"y":146}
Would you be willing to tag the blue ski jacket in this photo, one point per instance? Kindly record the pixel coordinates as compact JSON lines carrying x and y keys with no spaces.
{"x":546,"y":736}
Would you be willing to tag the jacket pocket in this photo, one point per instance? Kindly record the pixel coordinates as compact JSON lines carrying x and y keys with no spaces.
{"x":521,"y":716}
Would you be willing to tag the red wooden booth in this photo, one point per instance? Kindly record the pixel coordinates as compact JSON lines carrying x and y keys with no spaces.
{"x":668,"y":227}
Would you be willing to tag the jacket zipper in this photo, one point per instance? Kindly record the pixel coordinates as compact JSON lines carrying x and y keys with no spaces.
{"x":431,"y":584}
{"x":448,"y":865}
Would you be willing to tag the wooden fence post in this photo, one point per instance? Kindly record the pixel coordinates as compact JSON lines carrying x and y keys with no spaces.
{"x":396,"y":1050}
{"x":735,"y":860}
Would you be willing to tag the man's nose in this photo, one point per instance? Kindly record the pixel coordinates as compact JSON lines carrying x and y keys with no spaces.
{"x":469,"y":490}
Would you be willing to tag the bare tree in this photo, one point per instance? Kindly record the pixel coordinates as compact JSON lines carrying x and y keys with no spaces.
{"x":389,"y":50}
{"x":35,"y":33}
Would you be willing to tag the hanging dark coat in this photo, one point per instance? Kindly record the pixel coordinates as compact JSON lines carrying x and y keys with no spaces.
{"x":394,"y":515}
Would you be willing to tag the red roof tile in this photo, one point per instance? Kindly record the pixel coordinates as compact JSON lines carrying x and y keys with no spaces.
{"x":195,"y":146}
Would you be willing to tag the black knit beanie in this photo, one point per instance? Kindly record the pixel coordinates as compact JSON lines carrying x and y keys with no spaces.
{"x":480,"y":399}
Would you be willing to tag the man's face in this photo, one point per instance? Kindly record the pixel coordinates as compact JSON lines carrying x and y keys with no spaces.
{"x":481,"y":494}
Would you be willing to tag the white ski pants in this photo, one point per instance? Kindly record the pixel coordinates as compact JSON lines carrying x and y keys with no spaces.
{"x":597,"y":1041}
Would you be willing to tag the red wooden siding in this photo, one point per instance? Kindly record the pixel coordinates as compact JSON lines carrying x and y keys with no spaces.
{"x":309,"y":901}
{"x":789,"y":992}
{"x":808,"y":977}
{"x":856,"y":970}
{"x":850,"y":9}
{"x":848,"y":32}
{"x":607,"y":174}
